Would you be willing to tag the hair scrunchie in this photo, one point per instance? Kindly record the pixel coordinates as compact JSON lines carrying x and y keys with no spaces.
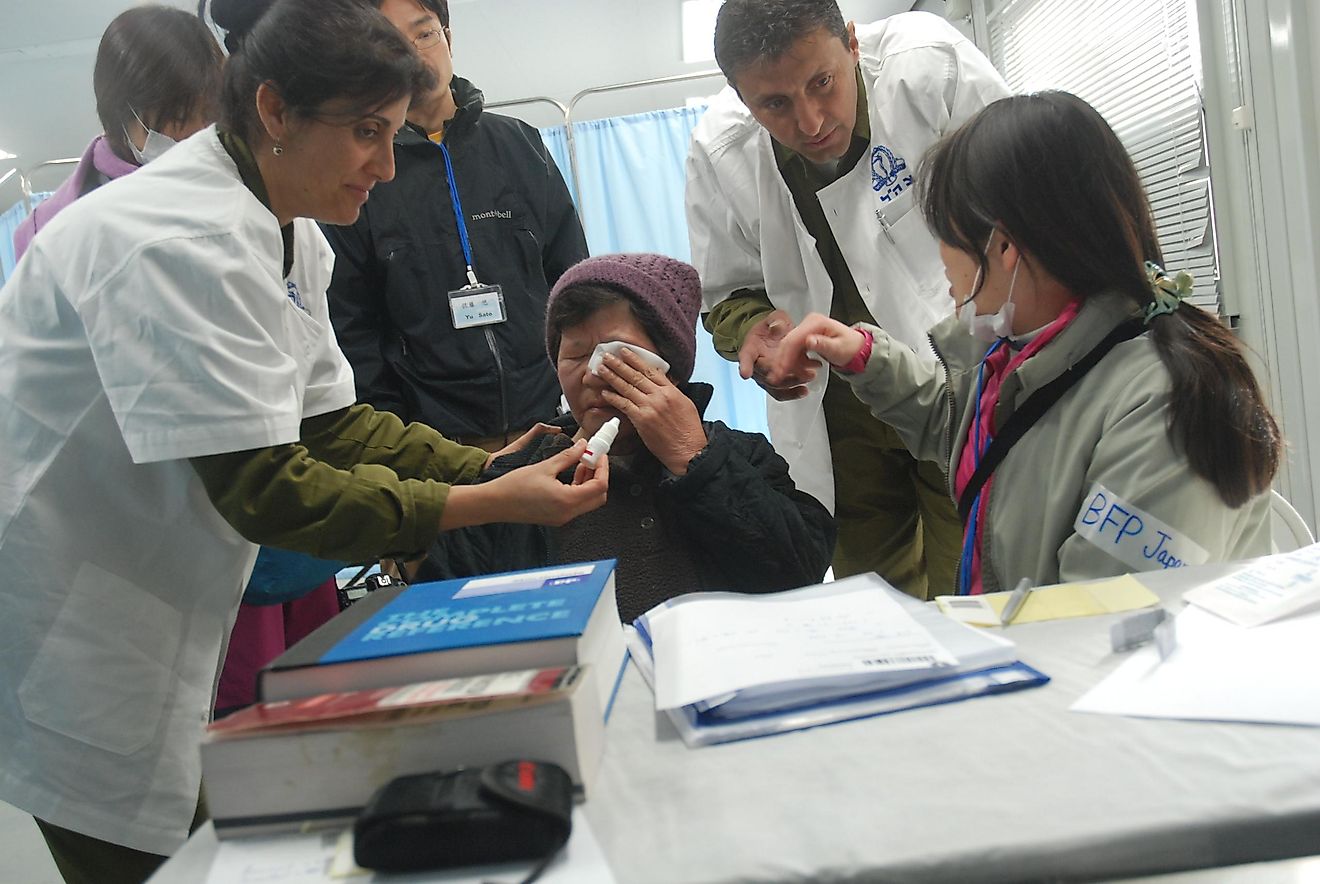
{"x":1167,"y":291}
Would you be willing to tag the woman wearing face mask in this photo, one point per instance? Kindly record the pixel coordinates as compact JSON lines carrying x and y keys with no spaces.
{"x":171,"y":396}
{"x":1092,"y":421}
{"x":157,"y":81}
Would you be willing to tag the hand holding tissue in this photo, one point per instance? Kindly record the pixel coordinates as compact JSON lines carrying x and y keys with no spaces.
{"x":613,"y":347}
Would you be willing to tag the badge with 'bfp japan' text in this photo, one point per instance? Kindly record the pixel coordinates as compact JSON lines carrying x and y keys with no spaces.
{"x":1132,"y":535}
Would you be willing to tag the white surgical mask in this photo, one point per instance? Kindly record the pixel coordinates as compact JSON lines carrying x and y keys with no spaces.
{"x":989,"y":327}
{"x":155,"y":144}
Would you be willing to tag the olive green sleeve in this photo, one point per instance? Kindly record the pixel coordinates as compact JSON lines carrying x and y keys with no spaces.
{"x":359,"y":486}
{"x":360,"y":434}
{"x":730,"y":320}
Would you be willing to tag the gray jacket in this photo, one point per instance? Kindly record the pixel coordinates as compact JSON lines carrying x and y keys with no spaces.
{"x":1108,"y":432}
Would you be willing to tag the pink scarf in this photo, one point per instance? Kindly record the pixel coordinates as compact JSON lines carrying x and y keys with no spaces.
{"x":998,"y":365}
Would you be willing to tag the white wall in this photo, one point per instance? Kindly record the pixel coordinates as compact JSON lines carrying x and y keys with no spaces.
{"x":46,"y":106}
{"x":510,"y":48}
{"x":1313,"y":43}
{"x":1258,"y":55}
{"x":518,"y":48}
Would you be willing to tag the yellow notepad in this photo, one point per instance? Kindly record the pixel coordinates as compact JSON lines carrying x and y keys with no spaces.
{"x":1088,"y":599}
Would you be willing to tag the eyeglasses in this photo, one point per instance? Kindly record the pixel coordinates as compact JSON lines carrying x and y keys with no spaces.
{"x":428,"y":38}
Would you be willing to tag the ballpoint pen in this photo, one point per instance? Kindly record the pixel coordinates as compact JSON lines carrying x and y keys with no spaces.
{"x":1015,"y":601}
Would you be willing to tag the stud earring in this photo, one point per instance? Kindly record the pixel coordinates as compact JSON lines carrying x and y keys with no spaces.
{"x":278,"y":149}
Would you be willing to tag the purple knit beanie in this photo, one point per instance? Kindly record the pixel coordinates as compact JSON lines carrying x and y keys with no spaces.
{"x":664,"y":290}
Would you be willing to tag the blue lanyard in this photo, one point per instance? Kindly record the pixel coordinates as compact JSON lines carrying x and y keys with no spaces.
{"x":969,"y":540}
{"x":458,"y":215}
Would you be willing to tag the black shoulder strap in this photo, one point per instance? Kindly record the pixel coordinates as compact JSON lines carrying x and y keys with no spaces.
{"x":1034,"y":408}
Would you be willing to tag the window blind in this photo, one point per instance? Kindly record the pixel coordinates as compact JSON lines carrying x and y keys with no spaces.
{"x":1135,"y":61}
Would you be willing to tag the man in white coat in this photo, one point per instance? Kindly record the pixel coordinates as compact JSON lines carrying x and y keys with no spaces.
{"x":801,"y":197}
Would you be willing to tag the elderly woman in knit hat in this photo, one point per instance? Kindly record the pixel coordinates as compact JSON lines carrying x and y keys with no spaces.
{"x":692,"y":504}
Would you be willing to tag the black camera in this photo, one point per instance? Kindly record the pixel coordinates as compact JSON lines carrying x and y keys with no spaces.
{"x":506,"y":812}
{"x":354,"y":591}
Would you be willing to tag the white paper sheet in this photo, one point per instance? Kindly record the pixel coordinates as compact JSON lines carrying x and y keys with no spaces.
{"x":719,"y":646}
{"x":972,"y":609}
{"x":1220,"y":672}
{"x":311,"y":859}
{"x":1267,"y":589}
{"x":290,"y":859}
{"x":502,"y":583}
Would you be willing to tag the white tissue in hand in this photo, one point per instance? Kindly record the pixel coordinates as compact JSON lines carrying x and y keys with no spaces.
{"x":615,"y":346}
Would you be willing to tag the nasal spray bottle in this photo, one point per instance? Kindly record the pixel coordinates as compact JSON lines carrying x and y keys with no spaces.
{"x":599,"y":445}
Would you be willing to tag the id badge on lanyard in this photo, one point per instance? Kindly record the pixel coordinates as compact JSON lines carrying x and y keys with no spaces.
{"x":474,"y":304}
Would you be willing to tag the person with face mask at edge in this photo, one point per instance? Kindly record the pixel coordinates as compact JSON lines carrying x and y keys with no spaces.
{"x":693,"y":505}
{"x":157,"y":81}
{"x":1093,"y":422}
{"x":171,"y":396}
{"x":800,"y":194}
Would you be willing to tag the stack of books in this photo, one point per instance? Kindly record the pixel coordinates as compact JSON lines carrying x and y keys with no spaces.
{"x":289,"y":765}
{"x":470,"y":626}
{"x":434,"y":676}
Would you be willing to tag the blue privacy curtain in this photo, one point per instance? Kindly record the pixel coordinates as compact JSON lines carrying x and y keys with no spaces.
{"x":631,"y":200}
{"x":556,"y":141}
{"x":9,"y":222}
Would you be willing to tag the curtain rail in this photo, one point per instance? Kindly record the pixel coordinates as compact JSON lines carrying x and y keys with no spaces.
{"x":25,"y":178}
{"x":24,"y":175}
{"x":567,"y":111}
{"x":615,"y":87}
{"x":533,"y":99}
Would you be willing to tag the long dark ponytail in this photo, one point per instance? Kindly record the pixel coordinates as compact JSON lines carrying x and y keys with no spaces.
{"x":1050,"y":172}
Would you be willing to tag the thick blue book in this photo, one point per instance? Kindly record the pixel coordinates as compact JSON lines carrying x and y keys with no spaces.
{"x":560,"y":616}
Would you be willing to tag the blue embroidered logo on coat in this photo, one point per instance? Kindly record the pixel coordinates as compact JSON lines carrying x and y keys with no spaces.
{"x":296,"y":297}
{"x":889,"y":175}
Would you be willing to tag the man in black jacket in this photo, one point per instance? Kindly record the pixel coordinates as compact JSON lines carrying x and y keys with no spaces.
{"x":468,"y":363}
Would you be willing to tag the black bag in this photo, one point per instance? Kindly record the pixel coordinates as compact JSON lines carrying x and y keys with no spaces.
{"x":507,"y":812}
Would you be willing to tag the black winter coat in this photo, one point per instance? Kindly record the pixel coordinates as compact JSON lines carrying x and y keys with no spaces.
{"x":396,"y":265}
{"x":735,"y":521}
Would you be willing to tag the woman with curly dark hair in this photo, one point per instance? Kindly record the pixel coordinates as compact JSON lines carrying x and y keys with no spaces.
{"x":171,"y":396}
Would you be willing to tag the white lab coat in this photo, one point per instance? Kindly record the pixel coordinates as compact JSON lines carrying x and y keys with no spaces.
{"x":149,"y":323}
{"x":922,"y":78}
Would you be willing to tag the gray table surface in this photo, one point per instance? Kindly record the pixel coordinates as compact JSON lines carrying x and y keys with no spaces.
{"x":1005,"y":788}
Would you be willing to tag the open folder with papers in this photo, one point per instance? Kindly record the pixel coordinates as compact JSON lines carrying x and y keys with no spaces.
{"x":727,"y":666}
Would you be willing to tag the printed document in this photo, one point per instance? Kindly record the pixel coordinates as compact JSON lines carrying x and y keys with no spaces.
{"x":1266,"y":589}
{"x":711,"y":648}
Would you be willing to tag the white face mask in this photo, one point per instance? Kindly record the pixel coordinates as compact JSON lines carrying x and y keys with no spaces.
{"x":991,"y":326}
{"x":155,"y":144}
